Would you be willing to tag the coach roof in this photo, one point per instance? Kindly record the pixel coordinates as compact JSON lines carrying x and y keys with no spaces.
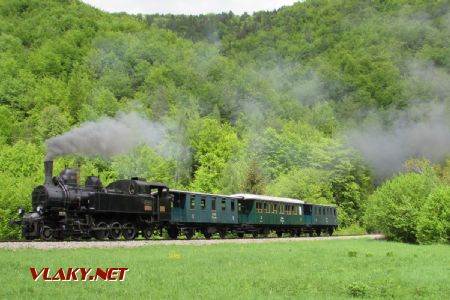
{"x":268,"y":198}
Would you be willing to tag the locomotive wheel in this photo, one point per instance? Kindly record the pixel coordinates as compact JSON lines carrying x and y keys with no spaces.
{"x":147,"y":233}
{"x":129,"y":231}
{"x":46,"y":233}
{"x":102,"y":231}
{"x":115,"y":230}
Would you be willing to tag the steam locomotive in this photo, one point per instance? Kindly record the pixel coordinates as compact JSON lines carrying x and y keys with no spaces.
{"x":62,"y":209}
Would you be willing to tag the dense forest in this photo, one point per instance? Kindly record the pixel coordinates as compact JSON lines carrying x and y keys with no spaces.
{"x":342,"y":102}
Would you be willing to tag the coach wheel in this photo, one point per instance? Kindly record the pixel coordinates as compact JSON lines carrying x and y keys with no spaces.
{"x":129,"y":231}
{"x":173,"y":233}
{"x":76,"y":237}
{"x":223,"y":234}
{"x":240,"y":235}
{"x":310,"y":233}
{"x":101,"y":231}
{"x":318,"y":232}
{"x":207,"y":235}
{"x":255,"y":234}
{"x":330,"y":231}
{"x":46,"y":233}
{"x":147,"y":233}
{"x":279,"y":234}
{"x":189,"y":234}
{"x":115,"y":230}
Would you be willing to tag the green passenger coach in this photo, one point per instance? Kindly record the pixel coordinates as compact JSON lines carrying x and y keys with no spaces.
{"x":206,"y":213}
{"x":262,"y":214}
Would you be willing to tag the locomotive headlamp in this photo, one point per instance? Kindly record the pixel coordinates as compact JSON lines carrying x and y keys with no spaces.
{"x":40,"y":209}
{"x":21,"y":211}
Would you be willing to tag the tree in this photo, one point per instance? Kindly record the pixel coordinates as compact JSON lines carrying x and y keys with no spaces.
{"x":434,"y":218}
{"x":394,"y":208}
{"x":254,"y":181}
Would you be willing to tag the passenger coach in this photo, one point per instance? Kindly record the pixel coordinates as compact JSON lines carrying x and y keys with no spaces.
{"x":263,"y":214}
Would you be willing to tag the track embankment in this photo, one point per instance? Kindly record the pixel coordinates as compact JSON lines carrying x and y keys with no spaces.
{"x":42,"y":245}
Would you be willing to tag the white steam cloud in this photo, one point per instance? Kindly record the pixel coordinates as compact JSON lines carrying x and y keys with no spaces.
{"x":107,"y":137}
{"x":420,"y":132}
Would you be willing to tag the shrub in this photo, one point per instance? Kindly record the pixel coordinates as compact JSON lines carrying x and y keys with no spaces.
{"x":394,"y":207}
{"x":434,"y":218}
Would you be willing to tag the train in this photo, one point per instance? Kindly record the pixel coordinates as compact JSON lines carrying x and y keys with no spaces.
{"x":130,"y":208}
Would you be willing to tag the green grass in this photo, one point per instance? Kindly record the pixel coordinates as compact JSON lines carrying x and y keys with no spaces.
{"x":336,"y":269}
{"x":352,"y":229}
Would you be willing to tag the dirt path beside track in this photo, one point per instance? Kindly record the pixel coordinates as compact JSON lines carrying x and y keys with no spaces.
{"x":13,"y":245}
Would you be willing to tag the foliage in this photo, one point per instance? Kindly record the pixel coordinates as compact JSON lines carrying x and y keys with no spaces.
{"x":308,"y":184}
{"x":434,"y":218}
{"x":395,"y":207}
{"x":253,"y":103}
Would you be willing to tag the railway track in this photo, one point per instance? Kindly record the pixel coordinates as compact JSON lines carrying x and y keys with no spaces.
{"x":46,"y":245}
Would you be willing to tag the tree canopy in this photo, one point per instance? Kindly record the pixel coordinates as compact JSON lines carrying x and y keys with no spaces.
{"x":253,"y":103}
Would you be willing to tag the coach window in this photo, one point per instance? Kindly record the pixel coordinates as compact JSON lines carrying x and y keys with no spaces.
{"x":265,"y":207}
{"x":192,"y":202}
{"x":213,"y":204}
{"x":334,"y":210}
{"x":274,"y":210}
{"x":232,"y":205}
{"x":203,"y":203}
{"x":224,"y":204}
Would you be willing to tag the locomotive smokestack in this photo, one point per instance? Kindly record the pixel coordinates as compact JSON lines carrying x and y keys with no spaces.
{"x":48,"y":167}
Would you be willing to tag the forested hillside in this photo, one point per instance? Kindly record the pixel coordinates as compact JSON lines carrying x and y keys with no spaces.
{"x":316,"y":101}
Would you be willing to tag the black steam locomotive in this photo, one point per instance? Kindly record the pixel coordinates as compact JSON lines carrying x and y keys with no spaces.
{"x":61,"y":209}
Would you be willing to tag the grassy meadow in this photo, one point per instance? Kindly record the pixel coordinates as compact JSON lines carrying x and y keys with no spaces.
{"x":336,"y":269}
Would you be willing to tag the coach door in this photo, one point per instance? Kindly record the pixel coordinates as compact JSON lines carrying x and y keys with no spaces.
{"x":308,"y":214}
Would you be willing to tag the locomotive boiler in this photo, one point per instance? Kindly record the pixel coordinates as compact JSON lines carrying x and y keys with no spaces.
{"x":62,"y":208}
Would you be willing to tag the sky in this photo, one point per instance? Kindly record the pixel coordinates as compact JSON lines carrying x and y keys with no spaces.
{"x":187,"y":7}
